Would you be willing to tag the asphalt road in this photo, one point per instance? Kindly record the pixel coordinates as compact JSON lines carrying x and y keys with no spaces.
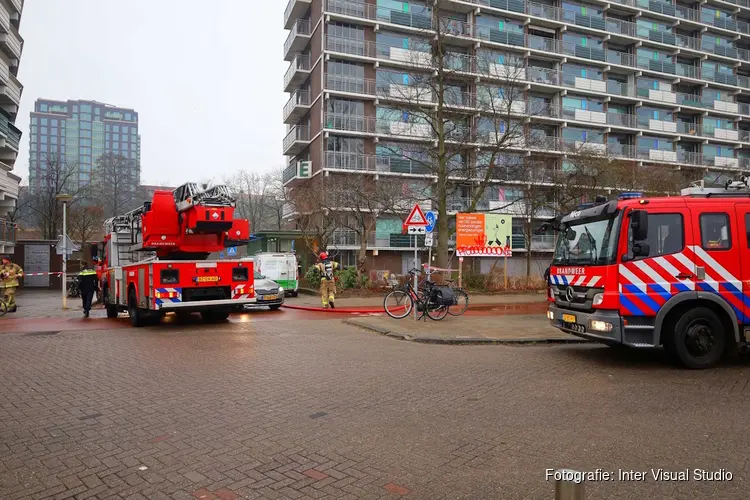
{"x":293,"y":407}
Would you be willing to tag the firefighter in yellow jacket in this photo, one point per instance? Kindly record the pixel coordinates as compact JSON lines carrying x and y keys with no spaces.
{"x":9,"y":274}
{"x":326,"y":267}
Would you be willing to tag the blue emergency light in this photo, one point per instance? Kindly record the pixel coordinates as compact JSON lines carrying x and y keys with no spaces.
{"x":629,"y":195}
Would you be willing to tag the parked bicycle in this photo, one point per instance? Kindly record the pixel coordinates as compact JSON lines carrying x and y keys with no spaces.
{"x":460,"y":299}
{"x":431,"y":301}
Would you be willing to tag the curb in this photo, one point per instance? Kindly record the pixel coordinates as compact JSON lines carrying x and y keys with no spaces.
{"x":476,"y":341}
{"x":506,"y":308}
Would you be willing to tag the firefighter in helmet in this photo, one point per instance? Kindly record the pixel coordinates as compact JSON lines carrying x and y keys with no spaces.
{"x":326,"y":267}
{"x":9,"y":274}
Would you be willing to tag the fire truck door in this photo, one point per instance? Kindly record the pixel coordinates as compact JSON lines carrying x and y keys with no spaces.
{"x":743,"y":250}
{"x":716,"y":252}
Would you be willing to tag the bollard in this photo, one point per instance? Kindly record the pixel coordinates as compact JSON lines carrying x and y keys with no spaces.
{"x":566,"y":488}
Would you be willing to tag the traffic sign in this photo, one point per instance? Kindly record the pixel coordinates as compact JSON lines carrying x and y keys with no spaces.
{"x":231,"y":251}
{"x":417,"y":230}
{"x":431,"y":218}
{"x":221,"y":255}
{"x":416,"y":218}
{"x":428,"y":239}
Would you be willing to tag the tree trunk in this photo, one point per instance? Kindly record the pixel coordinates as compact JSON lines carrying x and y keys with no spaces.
{"x":528,"y":231}
{"x":362,"y":256}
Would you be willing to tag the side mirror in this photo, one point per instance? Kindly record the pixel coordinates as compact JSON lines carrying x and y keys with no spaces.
{"x":641,"y":250}
{"x":639,"y":224}
{"x":571,"y":234}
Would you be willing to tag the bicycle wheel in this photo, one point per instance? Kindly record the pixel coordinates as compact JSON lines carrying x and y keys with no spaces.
{"x":439,"y":312}
{"x":462,"y":302}
{"x":398,"y":304}
{"x":3,"y":307}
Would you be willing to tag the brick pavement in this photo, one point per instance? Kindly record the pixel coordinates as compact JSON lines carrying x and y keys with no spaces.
{"x":316,"y":409}
{"x":467,"y":328}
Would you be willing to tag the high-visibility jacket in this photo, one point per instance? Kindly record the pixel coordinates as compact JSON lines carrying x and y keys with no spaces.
{"x":10,"y":274}
{"x":88,"y":280}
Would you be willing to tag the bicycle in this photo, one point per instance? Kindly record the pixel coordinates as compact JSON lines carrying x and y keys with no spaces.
{"x":429,"y":301}
{"x":460,"y":298}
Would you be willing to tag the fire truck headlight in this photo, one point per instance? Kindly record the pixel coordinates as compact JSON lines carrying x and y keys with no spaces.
{"x":600,"y":326}
{"x":598,"y":299}
{"x":550,"y":315}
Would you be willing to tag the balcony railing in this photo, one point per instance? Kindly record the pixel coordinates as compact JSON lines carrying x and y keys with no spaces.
{"x":8,"y":231}
{"x":300,"y":98}
{"x":374,"y":163}
{"x":300,"y":28}
{"x":298,"y":134}
{"x":295,"y":9}
{"x":350,"y":85}
{"x":11,"y":133}
{"x":301,"y":63}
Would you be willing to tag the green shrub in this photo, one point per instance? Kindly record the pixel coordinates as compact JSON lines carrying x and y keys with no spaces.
{"x":312,"y":277}
{"x":347,"y":278}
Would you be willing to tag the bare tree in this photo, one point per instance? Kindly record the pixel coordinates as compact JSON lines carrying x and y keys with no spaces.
{"x":114,"y":184}
{"x":275,"y":200}
{"x":312,"y":218}
{"x":443,"y":102}
{"x":84,"y":222}
{"x":359,"y":200}
{"x":58,"y":176}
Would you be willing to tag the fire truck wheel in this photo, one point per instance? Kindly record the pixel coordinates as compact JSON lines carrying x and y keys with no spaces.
{"x":111,"y":310}
{"x":214,"y":316}
{"x":699,"y":338}
{"x":137,"y":318}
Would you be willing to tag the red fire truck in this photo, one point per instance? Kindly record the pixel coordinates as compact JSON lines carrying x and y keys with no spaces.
{"x":666,"y":271}
{"x":155,"y":257}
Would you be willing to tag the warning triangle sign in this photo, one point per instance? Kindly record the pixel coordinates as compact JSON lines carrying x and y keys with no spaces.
{"x":416,"y":217}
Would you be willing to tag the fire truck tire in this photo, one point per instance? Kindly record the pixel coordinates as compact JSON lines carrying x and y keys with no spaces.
{"x":137,"y":316}
{"x":111,"y":311}
{"x":699,"y":339}
{"x":214,"y":316}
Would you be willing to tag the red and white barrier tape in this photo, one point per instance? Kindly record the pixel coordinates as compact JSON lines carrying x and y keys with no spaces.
{"x":440,"y":269}
{"x":42,"y":274}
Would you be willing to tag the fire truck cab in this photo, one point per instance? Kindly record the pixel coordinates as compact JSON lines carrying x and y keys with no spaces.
{"x":666,"y":271}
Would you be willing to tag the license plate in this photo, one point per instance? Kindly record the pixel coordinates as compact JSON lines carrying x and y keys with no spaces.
{"x":269,"y":297}
{"x":207,"y":279}
{"x":568,"y":318}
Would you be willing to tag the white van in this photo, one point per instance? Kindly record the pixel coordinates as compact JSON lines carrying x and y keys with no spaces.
{"x":281,"y":268}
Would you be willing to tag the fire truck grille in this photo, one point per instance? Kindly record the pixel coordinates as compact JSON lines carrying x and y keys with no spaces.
{"x":206,"y":293}
{"x":583,"y":297}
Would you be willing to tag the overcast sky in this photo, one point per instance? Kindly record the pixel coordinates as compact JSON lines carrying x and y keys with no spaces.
{"x":204,"y":75}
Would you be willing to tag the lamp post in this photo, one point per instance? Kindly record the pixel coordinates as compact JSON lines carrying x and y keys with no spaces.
{"x":65,"y":198}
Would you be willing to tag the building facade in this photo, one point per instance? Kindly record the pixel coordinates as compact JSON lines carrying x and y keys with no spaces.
{"x":11,"y":47}
{"x":78,"y":133}
{"x":658,"y":84}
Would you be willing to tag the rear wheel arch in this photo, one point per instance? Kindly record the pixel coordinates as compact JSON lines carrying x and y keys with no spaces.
{"x":670,"y":313}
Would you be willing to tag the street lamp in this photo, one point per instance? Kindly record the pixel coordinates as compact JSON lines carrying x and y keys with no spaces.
{"x":65,"y":198}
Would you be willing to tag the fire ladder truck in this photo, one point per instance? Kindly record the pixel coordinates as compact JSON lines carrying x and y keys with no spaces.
{"x":155,"y":258}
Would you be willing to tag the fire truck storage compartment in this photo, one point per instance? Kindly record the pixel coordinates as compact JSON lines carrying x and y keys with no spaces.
{"x":206,"y":293}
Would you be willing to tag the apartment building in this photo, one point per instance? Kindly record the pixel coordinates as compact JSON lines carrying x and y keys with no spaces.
{"x":662,"y":85}
{"x":80,"y":132}
{"x":11,"y":47}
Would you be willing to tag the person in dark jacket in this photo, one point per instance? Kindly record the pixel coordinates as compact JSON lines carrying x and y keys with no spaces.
{"x":88,"y":284}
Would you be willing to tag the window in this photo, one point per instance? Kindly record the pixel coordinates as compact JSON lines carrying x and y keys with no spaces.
{"x":85,"y":108}
{"x":747,"y":228}
{"x":116,"y":128}
{"x":44,"y":121}
{"x":665,"y":234}
{"x":129,"y":117}
{"x":715,"y":233}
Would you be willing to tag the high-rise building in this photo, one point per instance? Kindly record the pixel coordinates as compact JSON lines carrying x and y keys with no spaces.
{"x":11,"y":47}
{"x":661,"y":84}
{"x":77,"y":134}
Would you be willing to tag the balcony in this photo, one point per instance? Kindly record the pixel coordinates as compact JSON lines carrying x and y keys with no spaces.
{"x":297,"y":171}
{"x":7,"y":234}
{"x":298,"y":72}
{"x":298,"y":39}
{"x":297,"y":106}
{"x":10,"y":42}
{"x":10,"y":93}
{"x":373,"y":163}
{"x":350,"y":85}
{"x":350,"y":123}
{"x":295,"y":9}
{"x":10,"y":136}
{"x":296,"y":140}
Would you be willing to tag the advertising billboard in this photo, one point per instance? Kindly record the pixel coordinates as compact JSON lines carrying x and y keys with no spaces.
{"x":483,"y":235}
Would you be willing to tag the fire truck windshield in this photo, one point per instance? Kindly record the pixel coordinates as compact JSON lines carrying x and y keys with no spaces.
{"x":592,"y":242}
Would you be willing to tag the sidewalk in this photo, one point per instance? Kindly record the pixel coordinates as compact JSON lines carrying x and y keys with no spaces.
{"x":475,"y":300}
{"x":509,"y":329}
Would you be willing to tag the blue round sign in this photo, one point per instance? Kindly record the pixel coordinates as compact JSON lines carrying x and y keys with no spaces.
{"x":431,"y":219}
